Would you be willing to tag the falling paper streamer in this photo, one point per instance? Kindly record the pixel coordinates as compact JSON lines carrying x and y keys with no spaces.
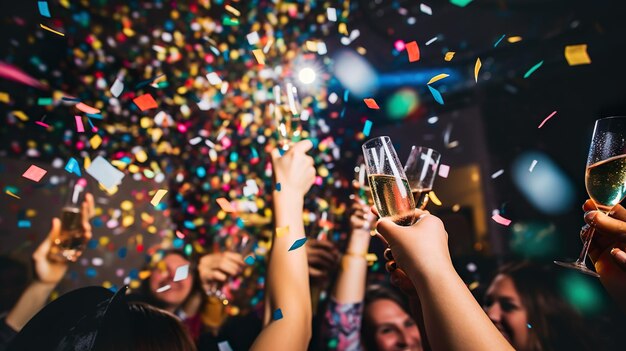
{"x":79,"y":124}
{"x":297,"y":244}
{"x":164,"y":288}
{"x":413,"y":50}
{"x":499,"y":40}
{"x":449,"y":55}
{"x":367,"y":128}
{"x":145,"y":102}
{"x":546,"y":119}
{"x":73,"y":167}
{"x":477,"y":67}
{"x":497,"y":174}
{"x":105,"y":173}
{"x":34,"y":173}
{"x":225,"y":204}
{"x":436,"y":94}
{"x":117,"y":88}
{"x":277,"y":314}
{"x":501,"y":220}
{"x":444,"y":170}
{"x":533,"y":69}
{"x":182,"y":273}
{"x":42,"y":124}
{"x":157,"y":197}
{"x":577,"y":55}
{"x":8,"y":192}
{"x":438,"y":78}
{"x":371,"y":103}
{"x":532,"y":166}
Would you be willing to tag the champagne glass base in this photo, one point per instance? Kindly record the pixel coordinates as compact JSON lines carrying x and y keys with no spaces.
{"x":579,"y":267}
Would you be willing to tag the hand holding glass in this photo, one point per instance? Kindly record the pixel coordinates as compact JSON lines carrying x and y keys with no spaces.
{"x":420,"y":169}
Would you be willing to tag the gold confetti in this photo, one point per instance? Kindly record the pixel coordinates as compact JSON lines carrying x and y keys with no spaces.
{"x":259,"y":55}
{"x":514,"y":39}
{"x":477,"y":69}
{"x":158,"y":196}
{"x":434,"y":198}
{"x":52,"y":30}
{"x":577,"y":55}
{"x":437,"y":78}
{"x":449,"y":55}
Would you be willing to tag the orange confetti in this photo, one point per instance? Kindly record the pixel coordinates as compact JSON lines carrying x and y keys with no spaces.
{"x":225,"y":205}
{"x":371,"y":103}
{"x":145,"y":102}
{"x":413,"y":50}
{"x":87,"y":109}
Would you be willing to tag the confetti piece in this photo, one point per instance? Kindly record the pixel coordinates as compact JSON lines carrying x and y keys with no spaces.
{"x":460,"y":3}
{"x":431,"y":41}
{"x":117,"y":88}
{"x":501,"y":220}
{"x":278,"y":186}
{"x":438,"y":78}
{"x":145,"y":102}
{"x":79,"y":124}
{"x":371,"y":103}
{"x":577,"y":55}
{"x":499,"y":40}
{"x":253,"y":38}
{"x":73,"y":167}
{"x":546,"y":119}
{"x":259,"y":56}
{"x":367,"y":128}
{"x":477,"y":67}
{"x":297,"y":244}
{"x":105,"y":173}
{"x":434,"y":198}
{"x":225,"y":205}
{"x":164,"y":288}
{"x":8,"y":192}
{"x":157,"y":197}
{"x":232,"y":10}
{"x":95,"y":141}
{"x":426,"y":9}
{"x":249,"y":260}
{"x":533,"y":69}
{"x":182,"y":273}
{"x":86,"y":108}
{"x":213,"y":78}
{"x":514,"y":39}
{"x":21,"y":115}
{"x":497,"y":174}
{"x":4,"y":97}
{"x":224,"y":346}
{"x":449,"y":56}
{"x":44,"y":101}
{"x":42,"y":124}
{"x":532,"y":166}
{"x":371,"y":257}
{"x":34,"y":173}
{"x":51,"y":30}
{"x":277,"y":314}
{"x":444,"y":170}
{"x":43,"y":8}
{"x":436,"y":94}
{"x":331,"y":14}
{"x":413,"y":50}
{"x":24,"y":223}
{"x":280,"y":231}
{"x":15,"y":74}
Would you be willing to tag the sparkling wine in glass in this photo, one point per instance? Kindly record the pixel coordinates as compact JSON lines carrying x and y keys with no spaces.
{"x":388,"y":183}
{"x":71,"y":241}
{"x":286,"y":110}
{"x":360,"y":183}
{"x":605,"y":176}
{"x":420,"y":169}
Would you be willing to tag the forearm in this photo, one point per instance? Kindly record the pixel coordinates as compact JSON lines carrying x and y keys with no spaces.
{"x":416,"y":311}
{"x":32,"y":300}
{"x":350,"y":285}
{"x":452,"y":317}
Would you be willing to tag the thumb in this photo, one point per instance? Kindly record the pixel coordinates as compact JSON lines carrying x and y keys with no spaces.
{"x":44,"y":247}
{"x":387,"y":228}
{"x":303,"y":146}
{"x":275,"y":155}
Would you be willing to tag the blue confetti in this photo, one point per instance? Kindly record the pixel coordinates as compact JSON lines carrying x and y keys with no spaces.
{"x":298,"y":243}
{"x":249,"y":260}
{"x":499,"y":40}
{"x":436,"y":94}
{"x":345,"y":95}
{"x":94,"y":115}
{"x":278,"y":187}
{"x":73,"y":167}
{"x":529,"y":326}
{"x":23,"y":223}
{"x":278,"y":314}
{"x":43,"y":8}
{"x":367,"y":128}
{"x":122,"y":252}
{"x":91,"y":272}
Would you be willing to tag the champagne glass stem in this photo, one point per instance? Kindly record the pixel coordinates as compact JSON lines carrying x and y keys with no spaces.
{"x":586,"y":243}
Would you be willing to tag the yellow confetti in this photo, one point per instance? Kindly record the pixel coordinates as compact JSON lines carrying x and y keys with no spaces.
{"x":514,"y":39}
{"x":371,"y":257}
{"x":95,"y":141}
{"x":434,"y":198}
{"x":449,"y":55}
{"x":477,"y":69}
{"x":473,"y":285}
{"x":157,"y":197}
{"x":232,"y":10}
{"x":437,"y":78}
{"x":52,"y":30}
{"x":143,"y":275}
{"x":280,"y":231}
{"x":259,"y":55}
{"x":577,"y":55}
{"x":8,"y":192}
{"x":21,"y":115}
{"x":4,"y":97}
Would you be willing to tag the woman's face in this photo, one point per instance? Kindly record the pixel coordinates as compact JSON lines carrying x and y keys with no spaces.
{"x":504,"y":307}
{"x":393,"y":328}
{"x":163,"y":275}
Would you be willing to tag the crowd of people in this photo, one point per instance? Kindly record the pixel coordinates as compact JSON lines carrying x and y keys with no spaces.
{"x":428,"y":305}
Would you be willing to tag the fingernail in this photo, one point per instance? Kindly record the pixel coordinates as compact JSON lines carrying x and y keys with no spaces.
{"x":393,"y":266}
{"x":619,"y":255}
{"x":590,"y":217}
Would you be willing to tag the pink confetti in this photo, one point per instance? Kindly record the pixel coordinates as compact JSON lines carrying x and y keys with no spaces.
{"x":444,"y":170}
{"x":79,"y":124}
{"x":225,"y":205}
{"x":87,"y":109}
{"x":42,"y":124}
{"x":547,"y":118}
{"x":34,"y":173}
{"x":501,"y":220}
{"x":371,"y":103}
{"x":15,"y":74}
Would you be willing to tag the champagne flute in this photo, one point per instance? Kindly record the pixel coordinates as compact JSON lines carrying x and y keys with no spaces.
{"x":71,"y":241}
{"x":360,"y":183}
{"x":389,"y":185}
{"x":605,"y":176}
{"x":286,"y":110}
{"x":420,"y":169}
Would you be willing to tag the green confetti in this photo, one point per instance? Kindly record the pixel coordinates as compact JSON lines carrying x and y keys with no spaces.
{"x":44,"y":101}
{"x":533,"y":69}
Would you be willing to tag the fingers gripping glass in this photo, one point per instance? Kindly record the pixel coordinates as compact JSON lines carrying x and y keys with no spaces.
{"x":420,"y":169}
{"x":241,"y":244}
{"x":388,"y":183}
{"x":286,"y":110}
{"x":605,"y":176}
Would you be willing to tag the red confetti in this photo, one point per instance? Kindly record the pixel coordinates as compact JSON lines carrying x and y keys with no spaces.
{"x":371,"y":103}
{"x":145,"y":102}
{"x":413,"y":50}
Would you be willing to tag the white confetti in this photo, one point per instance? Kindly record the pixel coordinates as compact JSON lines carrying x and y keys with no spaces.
{"x":224,"y":346}
{"x":253,"y":38}
{"x":426,"y":9}
{"x":117,"y":88}
{"x":164,"y":288}
{"x":331,"y":13}
{"x":182,"y":273}
{"x":497,"y":174}
{"x":532,"y":166}
{"x":213,"y":78}
{"x":444,"y":170}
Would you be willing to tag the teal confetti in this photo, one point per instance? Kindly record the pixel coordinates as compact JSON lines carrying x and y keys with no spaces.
{"x":529,"y":326}
{"x":278,"y":186}
{"x":249,"y":260}
{"x":44,"y":101}
{"x":345,"y":95}
{"x":188,"y":250}
{"x":277,"y":314}
{"x":297,"y":244}
{"x":367,"y":128}
{"x":94,"y":115}
{"x":73,"y":167}
{"x":533,"y":69}
{"x":460,"y":3}
{"x":499,"y":40}
{"x":43,"y":8}
{"x":436,"y":94}
{"x":23,"y":223}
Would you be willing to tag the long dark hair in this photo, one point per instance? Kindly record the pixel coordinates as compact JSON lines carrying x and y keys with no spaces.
{"x":374,"y":293}
{"x":554,"y":323}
